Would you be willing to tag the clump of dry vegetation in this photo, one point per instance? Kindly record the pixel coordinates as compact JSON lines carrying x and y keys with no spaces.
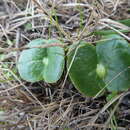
{"x":38,"y":106}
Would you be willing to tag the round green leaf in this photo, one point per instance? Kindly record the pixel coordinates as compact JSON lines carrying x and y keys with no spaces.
{"x":83,"y":70}
{"x":114,"y":54}
{"x":37,"y":64}
{"x":55,"y":66}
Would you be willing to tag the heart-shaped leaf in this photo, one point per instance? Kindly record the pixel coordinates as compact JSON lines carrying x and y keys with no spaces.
{"x":37,"y":64}
{"x":83,"y":70}
{"x":106,"y":65}
{"x":114,"y":54}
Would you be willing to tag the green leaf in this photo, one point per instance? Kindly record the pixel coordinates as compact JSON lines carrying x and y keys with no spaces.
{"x":106,"y":65}
{"x":37,"y":64}
{"x":125,"y":22}
{"x":83,"y":70}
{"x":114,"y":54}
{"x":55,"y":65}
{"x":109,"y":31}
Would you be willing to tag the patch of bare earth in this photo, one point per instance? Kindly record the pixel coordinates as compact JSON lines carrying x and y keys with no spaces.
{"x":42,"y":106}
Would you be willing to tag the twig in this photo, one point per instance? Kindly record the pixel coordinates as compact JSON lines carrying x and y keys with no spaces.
{"x":26,"y":47}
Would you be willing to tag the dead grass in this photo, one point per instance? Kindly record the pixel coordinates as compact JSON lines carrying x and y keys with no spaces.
{"x":39,"y":106}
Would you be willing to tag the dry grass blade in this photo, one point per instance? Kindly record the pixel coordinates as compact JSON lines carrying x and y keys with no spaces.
{"x":53,"y":21}
{"x":93,"y":120}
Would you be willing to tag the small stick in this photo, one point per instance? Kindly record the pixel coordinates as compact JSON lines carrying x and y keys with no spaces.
{"x":26,"y":47}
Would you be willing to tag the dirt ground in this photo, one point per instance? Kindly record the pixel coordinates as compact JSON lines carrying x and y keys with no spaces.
{"x":42,"y":106}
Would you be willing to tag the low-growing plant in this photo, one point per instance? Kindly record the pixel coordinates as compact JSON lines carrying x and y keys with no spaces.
{"x":91,"y":68}
{"x":104,"y":65}
{"x":38,"y":64}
